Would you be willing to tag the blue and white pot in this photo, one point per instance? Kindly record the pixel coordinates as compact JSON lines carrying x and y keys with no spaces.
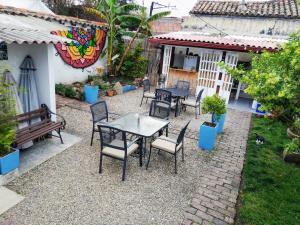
{"x":207,"y":136}
{"x":220,"y":121}
{"x":10,"y":162}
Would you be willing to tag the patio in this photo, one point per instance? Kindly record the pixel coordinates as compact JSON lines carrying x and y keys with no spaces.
{"x":67,"y":189}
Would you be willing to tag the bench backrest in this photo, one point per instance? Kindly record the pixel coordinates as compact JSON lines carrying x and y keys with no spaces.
{"x":41,"y":113}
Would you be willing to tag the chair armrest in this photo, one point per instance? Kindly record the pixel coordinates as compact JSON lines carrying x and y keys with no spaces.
{"x":63,"y":121}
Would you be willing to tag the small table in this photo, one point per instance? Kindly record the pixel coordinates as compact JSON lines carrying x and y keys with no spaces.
{"x":140,"y":125}
{"x":177,"y":93}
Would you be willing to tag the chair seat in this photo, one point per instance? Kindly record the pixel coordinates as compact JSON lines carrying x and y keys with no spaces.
{"x":120,"y":154}
{"x":165,"y":143}
{"x":173,"y":105}
{"x":191,"y":102}
{"x":149,"y":95}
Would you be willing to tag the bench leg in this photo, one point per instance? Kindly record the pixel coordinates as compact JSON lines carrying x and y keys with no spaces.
{"x":61,"y":140}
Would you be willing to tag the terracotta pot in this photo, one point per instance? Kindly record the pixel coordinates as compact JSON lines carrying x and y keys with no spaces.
{"x":291,"y":157}
{"x":110,"y":93}
{"x":291,"y":134}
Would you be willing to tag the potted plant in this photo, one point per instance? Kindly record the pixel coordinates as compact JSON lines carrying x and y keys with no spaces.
{"x":9,"y":157}
{"x":291,"y":151}
{"x":294,"y":130}
{"x":110,"y":91}
{"x":91,"y":90}
{"x":209,"y":130}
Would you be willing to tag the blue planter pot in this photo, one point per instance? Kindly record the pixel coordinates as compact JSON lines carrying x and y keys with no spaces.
{"x":10,"y":162}
{"x":127,"y":88}
{"x":207,"y":136}
{"x":219,"y":121}
{"x":91,"y":93}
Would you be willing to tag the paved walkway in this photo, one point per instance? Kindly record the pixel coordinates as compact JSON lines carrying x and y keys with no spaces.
{"x":67,"y":189}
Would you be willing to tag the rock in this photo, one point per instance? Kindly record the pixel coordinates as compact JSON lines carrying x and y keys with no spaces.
{"x":118,"y":87}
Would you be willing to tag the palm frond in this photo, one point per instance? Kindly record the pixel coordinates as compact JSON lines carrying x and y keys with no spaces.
{"x":130,"y":7}
{"x":129,"y":18}
{"x":157,"y":16}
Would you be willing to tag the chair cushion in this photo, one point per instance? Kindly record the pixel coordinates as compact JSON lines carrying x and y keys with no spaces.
{"x":149,"y":95}
{"x":190,"y":102}
{"x":166,"y":144}
{"x":120,"y":154}
{"x":173,"y":105}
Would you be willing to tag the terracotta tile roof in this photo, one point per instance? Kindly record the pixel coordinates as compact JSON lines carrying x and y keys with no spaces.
{"x":228,"y":42}
{"x":271,"y":8}
{"x":49,"y":17}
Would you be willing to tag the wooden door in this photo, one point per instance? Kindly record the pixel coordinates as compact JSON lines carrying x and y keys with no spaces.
{"x":209,"y":71}
{"x":231,"y":60}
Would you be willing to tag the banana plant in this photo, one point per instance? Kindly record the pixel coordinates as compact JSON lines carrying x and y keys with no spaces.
{"x":140,"y":17}
{"x":110,"y":11}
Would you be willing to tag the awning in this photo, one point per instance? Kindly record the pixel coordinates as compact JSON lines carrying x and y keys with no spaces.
{"x":226,"y":42}
{"x":29,"y":36}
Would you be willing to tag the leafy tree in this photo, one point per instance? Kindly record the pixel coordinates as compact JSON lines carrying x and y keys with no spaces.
{"x":143,"y":20}
{"x":273,"y":79}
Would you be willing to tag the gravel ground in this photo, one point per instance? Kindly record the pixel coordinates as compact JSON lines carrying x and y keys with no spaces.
{"x":67,"y":189}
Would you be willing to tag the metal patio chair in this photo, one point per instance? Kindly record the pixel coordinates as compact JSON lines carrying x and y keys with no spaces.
{"x":164,"y":95}
{"x":160,"y":109}
{"x":117,"y":146}
{"x":195,"y":103}
{"x":183,"y":85}
{"x":100,"y":114}
{"x":169,"y":145}
{"x":147,"y":92}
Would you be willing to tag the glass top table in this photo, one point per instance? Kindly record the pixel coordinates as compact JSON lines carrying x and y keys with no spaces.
{"x":141,"y":125}
{"x":176,"y":92}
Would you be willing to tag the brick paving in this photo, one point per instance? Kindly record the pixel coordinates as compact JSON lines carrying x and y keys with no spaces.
{"x":215,"y":199}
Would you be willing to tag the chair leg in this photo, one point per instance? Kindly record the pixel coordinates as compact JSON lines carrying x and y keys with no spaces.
{"x":100,"y":164}
{"x":196,"y":112}
{"x":175,"y":163}
{"x":142,"y":101}
{"x":92,"y":138}
{"x":124,"y":169}
{"x":149,"y":157}
{"x":182,"y":152}
{"x":199,"y":109}
{"x":146,"y":100}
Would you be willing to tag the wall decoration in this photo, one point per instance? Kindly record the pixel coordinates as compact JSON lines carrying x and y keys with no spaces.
{"x":85,"y":48}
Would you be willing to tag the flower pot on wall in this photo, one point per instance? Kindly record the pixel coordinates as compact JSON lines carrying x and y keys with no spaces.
{"x":291,"y":157}
{"x":220,"y":121}
{"x":91,"y":93}
{"x":207,"y":136}
{"x":10,"y":162}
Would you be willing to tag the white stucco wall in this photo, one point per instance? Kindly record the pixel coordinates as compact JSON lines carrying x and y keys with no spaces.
{"x":65,"y":73}
{"x":242,"y":25}
{"x":44,"y":79}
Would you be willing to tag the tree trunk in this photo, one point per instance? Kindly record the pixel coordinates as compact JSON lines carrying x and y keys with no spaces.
{"x":127,"y":51}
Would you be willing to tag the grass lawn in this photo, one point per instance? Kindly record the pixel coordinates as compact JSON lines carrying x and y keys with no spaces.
{"x":271,"y":188}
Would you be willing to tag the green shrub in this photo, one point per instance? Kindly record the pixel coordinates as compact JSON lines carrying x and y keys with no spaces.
{"x":135,"y":63}
{"x":7,"y":114}
{"x":65,"y":90}
{"x":293,"y":146}
{"x":214,"y":105}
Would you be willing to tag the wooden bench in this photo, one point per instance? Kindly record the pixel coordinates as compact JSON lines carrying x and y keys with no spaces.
{"x":39,"y":125}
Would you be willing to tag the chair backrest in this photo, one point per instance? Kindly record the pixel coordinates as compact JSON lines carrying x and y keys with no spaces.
{"x":163,"y":95}
{"x":183,"y":85}
{"x":146,"y":84}
{"x":199,"y":95}
{"x":112,"y":137}
{"x":182,"y":133}
{"x":160,"y":109}
{"x":99,"y":111}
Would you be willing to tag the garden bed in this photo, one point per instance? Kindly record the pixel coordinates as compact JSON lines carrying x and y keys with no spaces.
{"x":270,"y":188}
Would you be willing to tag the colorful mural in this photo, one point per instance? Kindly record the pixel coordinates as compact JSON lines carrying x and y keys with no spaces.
{"x":85,"y":48}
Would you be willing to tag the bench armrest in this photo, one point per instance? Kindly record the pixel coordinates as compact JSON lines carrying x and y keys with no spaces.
{"x":63,"y":121}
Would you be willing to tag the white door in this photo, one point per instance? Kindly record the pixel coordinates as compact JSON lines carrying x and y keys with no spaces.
{"x":166,"y":62}
{"x":231,"y":60}
{"x":209,"y":71}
